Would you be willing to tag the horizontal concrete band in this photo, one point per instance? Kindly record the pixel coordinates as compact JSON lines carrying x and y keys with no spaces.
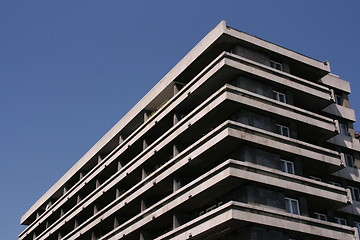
{"x":293,"y":113}
{"x":276,"y":76}
{"x":242,"y":213}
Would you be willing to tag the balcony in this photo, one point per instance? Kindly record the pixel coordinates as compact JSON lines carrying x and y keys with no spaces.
{"x":234,"y":215}
{"x":341,"y":111}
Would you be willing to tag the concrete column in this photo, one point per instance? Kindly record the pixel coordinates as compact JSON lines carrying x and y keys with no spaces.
{"x":177,"y":87}
{"x":177,"y":184}
{"x":98,"y":182}
{"x":96,"y":209}
{"x":118,"y":220}
{"x":144,"y":172}
{"x":146,"y":115}
{"x":94,"y":236}
{"x":176,"y":149}
{"x":121,"y":139}
{"x":119,"y":192}
{"x":99,"y":159}
{"x":119,"y":165}
{"x":76,"y":223}
{"x":144,"y":204}
{"x":62,"y":212}
{"x":144,"y":235}
{"x":66,"y":188}
{"x":176,"y":222}
{"x":78,"y":198}
{"x":60,"y":235}
{"x":81,"y":175}
{"x":146,"y":143}
{"x":177,"y":117}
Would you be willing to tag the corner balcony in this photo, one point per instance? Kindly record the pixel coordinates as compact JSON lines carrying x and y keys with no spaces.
{"x":341,"y":111}
{"x":234,"y":215}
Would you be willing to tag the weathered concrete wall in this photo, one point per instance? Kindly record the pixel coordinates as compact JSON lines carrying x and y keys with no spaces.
{"x":259,"y":56}
{"x":261,"y":88}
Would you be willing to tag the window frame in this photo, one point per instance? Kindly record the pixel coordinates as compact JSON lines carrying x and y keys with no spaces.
{"x":340,"y":221}
{"x":289,"y":205}
{"x":344,"y":129}
{"x":285,"y":166}
{"x":282,"y":128}
{"x":357,"y":225}
{"x":349,"y":159}
{"x":276,"y":65}
{"x":339,"y":100}
{"x":355,"y":193}
{"x":278,"y":95}
{"x":320,"y":216}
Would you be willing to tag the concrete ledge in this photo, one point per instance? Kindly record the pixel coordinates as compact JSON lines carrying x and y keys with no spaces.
{"x":236,"y":214}
{"x":341,"y":111}
{"x":334,"y":81}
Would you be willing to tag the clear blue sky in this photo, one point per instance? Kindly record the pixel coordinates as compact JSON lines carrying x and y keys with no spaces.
{"x":69,"y":70}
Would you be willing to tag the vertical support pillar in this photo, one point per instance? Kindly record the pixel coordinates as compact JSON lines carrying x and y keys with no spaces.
{"x":78,"y":198}
{"x":144,"y":204}
{"x":99,"y":159}
{"x":98,"y":182}
{"x":119,"y":192}
{"x":177,"y":184}
{"x":76,"y":223}
{"x":94,"y":236}
{"x":176,"y":222}
{"x":146,"y":115}
{"x":119,"y":165}
{"x":144,"y":173}
{"x":144,"y":235}
{"x":177,"y":87}
{"x":81,"y":175}
{"x":60,"y":235}
{"x":177,"y":117}
{"x":121,"y":139}
{"x":146,"y":143}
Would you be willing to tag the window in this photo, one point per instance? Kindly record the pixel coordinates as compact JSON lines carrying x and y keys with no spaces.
{"x":282,"y":130}
{"x":276,"y":65}
{"x":292,"y":206}
{"x":341,"y":221}
{"x":357,"y":225}
{"x":355,"y":193}
{"x":315,"y":178}
{"x":344,"y":129}
{"x":279,"y":96}
{"x":349,"y":160}
{"x":320,"y":216}
{"x":338,"y":99}
{"x":287,"y":166}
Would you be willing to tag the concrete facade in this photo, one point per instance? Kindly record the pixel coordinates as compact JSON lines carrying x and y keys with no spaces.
{"x":242,"y":139}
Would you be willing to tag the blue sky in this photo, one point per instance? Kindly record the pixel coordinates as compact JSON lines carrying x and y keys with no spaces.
{"x":69,"y":70}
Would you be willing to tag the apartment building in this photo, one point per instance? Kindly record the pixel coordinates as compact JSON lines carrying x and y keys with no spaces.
{"x":242,"y":139}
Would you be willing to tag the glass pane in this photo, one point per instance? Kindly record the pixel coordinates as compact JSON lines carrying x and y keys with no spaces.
{"x":287,"y":205}
{"x":283,"y":166}
{"x":290,"y":167}
{"x":282,"y":98}
{"x":294,"y":206}
{"x":285,"y":132}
